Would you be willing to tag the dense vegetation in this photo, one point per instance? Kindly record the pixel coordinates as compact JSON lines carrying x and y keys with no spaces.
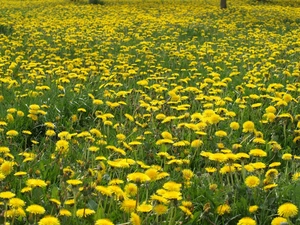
{"x":149,"y":112}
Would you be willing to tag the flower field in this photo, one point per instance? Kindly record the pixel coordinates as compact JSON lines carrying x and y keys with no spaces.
{"x":149,"y":112}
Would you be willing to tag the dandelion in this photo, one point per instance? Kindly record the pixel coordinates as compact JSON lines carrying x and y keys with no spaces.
{"x":272,"y":173}
{"x":166,"y":135}
{"x":85,"y":212}
{"x":172,"y":195}
{"x":296,"y":176}
{"x":138,"y":177}
{"x":246,"y":221}
{"x":219,"y":157}
{"x":253,"y":208}
{"x":160,"y":209}
{"x":15,"y":212}
{"x":65,"y":212}
{"x":211,"y":169}
{"x":36,"y":183}
{"x":287,"y":210}
{"x":223,"y":209}
{"x":74,"y":182}
{"x":213,"y":187}
{"x":248,"y":126}
{"x":6,"y":167}
{"x":49,"y":220}
{"x":258,"y":152}
{"x":144,"y":208}
{"x":26,"y":189}
{"x":131,"y":189}
{"x":252,"y":181}
{"x":274,"y":164}
{"x":278,"y":221}
{"x":121,"y":137}
{"x":152,"y":173}
{"x":12,"y":133}
{"x":287,"y":156}
{"x":187,"y":174}
{"x":35,"y":209}
{"x":234,"y":125}
{"x":50,"y":133}
{"x":196,"y":143}
{"x":270,"y":186}
{"x":4,"y":149}
{"x":103,"y":222}
{"x":7,"y":195}
{"x":220,"y":133}
{"x":62,"y":146}
{"x":16,"y":202}
{"x":128,"y":205}
{"x":69,"y":202}
{"x":172,"y":186}
{"x":135,"y":219}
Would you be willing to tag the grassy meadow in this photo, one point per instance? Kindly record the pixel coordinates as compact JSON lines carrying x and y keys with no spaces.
{"x":149,"y":112}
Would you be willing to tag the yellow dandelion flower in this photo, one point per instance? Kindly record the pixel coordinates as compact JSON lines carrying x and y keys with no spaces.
{"x":7,"y":195}
{"x":196,"y":143}
{"x":35,"y":209}
{"x":69,"y":202}
{"x":16,"y":202}
{"x":103,"y":190}
{"x":220,"y":133}
{"x":121,"y":137}
{"x":253,"y":208}
{"x":2,"y":176}
{"x":65,"y":212}
{"x":296,"y":176}
{"x":160,"y":209}
{"x":287,"y":156}
{"x":135,"y":219}
{"x":12,"y":133}
{"x":248,"y":126}
{"x":103,"y":222}
{"x":15,"y":212}
{"x":4,"y":149}
{"x":223,"y":209}
{"x":172,"y":195}
{"x":258,"y":152}
{"x":287,"y":210}
{"x":36,"y":183}
{"x":219,"y":157}
{"x":62,"y":146}
{"x":186,"y":211}
{"x":144,"y":207}
{"x":85,"y":212}
{"x":128,"y":205}
{"x":159,"y":199}
{"x":6,"y":167}
{"x":246,"y":221}
{"x":49,"y":220}
{"x":213,"y":187}
{"x":152,"y":173}
{"x":131,"y":189}
{"x":172,"y":186}
{"x":234,"y":125}
{"x":210,"y":169}
{"x":166,"y":135}
{"x":270,"y":186}
{"x":252,"y":181}
{"x":138,"y":177}
{"x":26,"y":189}
{"x":187,"y":174}
{"x":278,"y":221}
{"x":274,"y":164}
